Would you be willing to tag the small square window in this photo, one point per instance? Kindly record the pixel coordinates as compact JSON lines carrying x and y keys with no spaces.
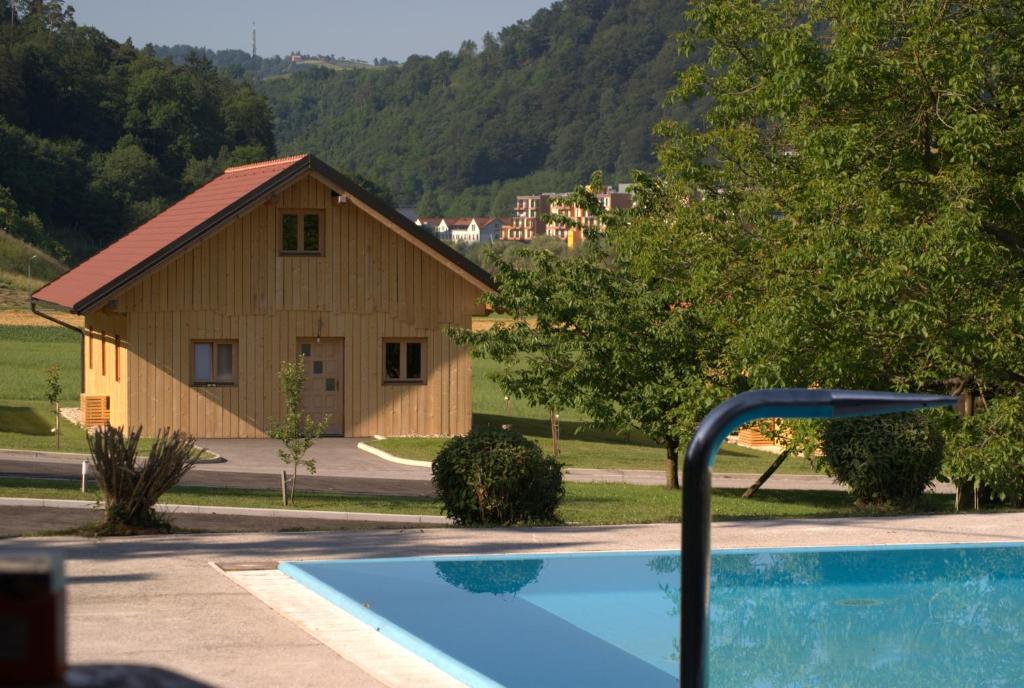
{"x":318,"y":367}
{"x":403,"y":361}
{"x":214,"y":362}
{"x":330,"y":384}
{"x":300,"y":232}
{"x":306,"y":349}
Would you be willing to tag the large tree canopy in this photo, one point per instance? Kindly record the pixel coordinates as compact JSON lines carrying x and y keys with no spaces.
{"x":855,"y":192}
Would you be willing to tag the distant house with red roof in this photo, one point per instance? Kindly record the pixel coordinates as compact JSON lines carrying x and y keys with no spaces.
{"x":188,"y":317}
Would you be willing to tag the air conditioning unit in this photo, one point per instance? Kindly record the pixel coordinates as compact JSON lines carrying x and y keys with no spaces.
{"x":95,"y":410}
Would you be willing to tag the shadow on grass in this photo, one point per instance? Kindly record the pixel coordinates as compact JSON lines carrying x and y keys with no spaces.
{"x":570,"y":430}
{"x":25,"y":420}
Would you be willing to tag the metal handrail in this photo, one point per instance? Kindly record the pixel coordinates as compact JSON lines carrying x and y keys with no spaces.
{"x":700,"y":454}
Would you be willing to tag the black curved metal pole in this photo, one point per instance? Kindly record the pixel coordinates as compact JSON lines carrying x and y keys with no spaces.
{"x":700,"y":454}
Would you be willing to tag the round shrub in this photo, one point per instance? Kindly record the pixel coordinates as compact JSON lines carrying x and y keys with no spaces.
{"x":496,"y":477}
{"x":985,"y":452}
{"x":884,"y":460}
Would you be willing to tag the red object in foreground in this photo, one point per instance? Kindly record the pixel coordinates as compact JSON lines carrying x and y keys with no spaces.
{"x":32,"y":635}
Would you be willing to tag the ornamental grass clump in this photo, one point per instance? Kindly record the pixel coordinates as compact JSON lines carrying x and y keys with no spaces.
{"x":130,"y":487}
{"x":497,"y":478}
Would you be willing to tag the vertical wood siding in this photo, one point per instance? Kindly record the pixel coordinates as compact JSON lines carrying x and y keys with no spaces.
{"x":104,"y":342}
{"x":370,"y":283}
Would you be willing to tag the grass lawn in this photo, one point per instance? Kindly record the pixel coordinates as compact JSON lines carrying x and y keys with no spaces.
{"x":27,"y":424}
{"x":582,"y":446}
{"x":27,"y":352}
{"x":584,"y":504}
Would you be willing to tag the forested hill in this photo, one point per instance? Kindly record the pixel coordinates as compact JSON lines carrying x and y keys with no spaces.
{"x":537,"y":107}
{"x":97,"y":136}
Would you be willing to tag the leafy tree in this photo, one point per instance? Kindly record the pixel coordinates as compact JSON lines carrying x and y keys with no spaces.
{"x":848,"y":214}
{"x":984,"y":452}
{"x":617,"y":342}
{"x":297,"y":430}
{"x":53,"y":391}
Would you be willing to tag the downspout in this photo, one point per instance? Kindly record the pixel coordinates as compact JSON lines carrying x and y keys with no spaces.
{"x":81,"y":333}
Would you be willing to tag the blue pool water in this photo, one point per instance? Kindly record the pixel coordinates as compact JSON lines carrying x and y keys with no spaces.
{"x":891,"y":616}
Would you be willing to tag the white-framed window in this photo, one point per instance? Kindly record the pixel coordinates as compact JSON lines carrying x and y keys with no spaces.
{"x":214,"y":362}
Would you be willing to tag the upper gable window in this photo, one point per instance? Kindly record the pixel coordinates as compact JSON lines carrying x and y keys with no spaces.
{"x":301,"y":232}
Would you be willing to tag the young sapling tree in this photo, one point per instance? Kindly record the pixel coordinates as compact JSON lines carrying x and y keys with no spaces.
{"x":297,"y":430}
{"x":53,"y":392}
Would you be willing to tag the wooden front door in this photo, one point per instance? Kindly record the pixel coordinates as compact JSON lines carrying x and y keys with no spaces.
{"x":321,"y":396}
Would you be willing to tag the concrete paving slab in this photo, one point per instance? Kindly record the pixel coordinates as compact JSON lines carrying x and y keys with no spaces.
{"x":156,"y":600}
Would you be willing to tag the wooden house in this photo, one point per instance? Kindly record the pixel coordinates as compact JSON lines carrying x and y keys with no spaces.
{"x":188,"y":317}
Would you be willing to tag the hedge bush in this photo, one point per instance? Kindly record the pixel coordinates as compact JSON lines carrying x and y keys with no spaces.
{"x":496,"y":477}
{"x":884,"y":460}
{"x":985,"y":452}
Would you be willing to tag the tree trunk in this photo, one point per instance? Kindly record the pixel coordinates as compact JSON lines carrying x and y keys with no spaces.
{"x":57,"y":426}
{"x":672,"y":463}
{"x":555,"y":448}
{"x":966,"y":409}
{"x":284,"y":487}
{"x":295,"y":475}
{"x":752,"y":490}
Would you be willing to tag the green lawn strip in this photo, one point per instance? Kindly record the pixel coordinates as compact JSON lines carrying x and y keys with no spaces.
{"x":27,"y":424}
{"x":209,"y":496}
{"x":595,"y":504}
{"x":608,"y":454}
{"x":584,"y":504}
{"x":27,"y":352}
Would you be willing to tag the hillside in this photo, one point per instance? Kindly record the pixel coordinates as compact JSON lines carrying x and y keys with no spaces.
{"x":97,"y":136}
{"x":23,"y":269}
{"x":537,"y":107}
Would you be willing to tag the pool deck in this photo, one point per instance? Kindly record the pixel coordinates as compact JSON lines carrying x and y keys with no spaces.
{"x":159,"y":601}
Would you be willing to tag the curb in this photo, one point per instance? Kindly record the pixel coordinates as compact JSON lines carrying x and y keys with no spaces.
{"x":37,"y":454}
{"x":406,"y":519}
{"x":381,"y":454}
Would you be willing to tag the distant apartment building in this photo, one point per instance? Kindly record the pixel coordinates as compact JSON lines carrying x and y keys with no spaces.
{"x":526,"y":220}
{"x":560,"y":205}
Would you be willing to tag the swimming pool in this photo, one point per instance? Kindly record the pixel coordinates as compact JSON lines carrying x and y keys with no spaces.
{"x":883,"y":616}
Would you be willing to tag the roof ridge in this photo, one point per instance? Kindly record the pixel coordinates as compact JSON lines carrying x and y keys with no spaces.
{"x":266,"y":163}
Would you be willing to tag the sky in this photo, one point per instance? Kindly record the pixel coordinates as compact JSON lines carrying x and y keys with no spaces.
{"x":362,"y":29}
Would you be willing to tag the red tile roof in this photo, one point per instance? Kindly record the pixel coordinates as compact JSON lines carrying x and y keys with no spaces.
{"x":160,"y":233}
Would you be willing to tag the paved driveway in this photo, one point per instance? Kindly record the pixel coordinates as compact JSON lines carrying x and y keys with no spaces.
{"x":335,"y":457}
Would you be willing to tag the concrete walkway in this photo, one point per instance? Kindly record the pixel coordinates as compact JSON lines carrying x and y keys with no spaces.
{"x":157,"y":600}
